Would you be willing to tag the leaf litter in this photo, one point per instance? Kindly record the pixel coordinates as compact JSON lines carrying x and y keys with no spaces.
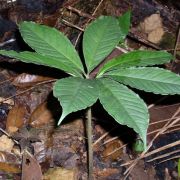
{"x":64,"y":146}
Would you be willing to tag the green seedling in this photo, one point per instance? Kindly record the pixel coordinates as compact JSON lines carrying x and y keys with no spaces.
{"x":111,"y":85}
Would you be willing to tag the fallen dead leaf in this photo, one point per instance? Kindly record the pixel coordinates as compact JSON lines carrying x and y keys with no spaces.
{"x":9,"y":168}
{"x":9,"y":101}
{"x":61,"y":174}
{"x":41,"y":116}
{"x":105,"y":173}
{"x":110,"y":147}
{"x":16,"y":118}
{"x":31,"y":169}
{"x":26,"y":80}
{"x":6,"y":144}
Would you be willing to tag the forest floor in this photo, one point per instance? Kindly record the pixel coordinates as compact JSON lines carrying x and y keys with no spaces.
{"x":34,"y":148}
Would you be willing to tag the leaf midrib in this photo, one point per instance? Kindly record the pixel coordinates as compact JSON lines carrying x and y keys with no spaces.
{"x":93,"y":57}
{"x":143,"y":79}
{"x":54,"y":47}
{"x":122,"y":107}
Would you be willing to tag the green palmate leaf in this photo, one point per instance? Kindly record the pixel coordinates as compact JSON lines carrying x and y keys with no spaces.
{"x":124,"y":106}
{"x":124,"y":23}
{"x":75,"y":94}
{"x":149,"y":79}
{"x":33,"y":57}
{"x":99,"y":39}
{"x":53,"y":44}
{"x":137,"y":58}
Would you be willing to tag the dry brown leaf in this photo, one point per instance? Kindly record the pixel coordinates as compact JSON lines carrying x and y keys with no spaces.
{"x":26,"y":80}
{"x":8,"y":101}
{"x":105,"y":173}
{"x":16,"y":119}
{"x":9,"y":168}
{"x":110,"y":147}
{"x":31,"y":169}
{"x":60,"y":174}
{"x":40,"y":116}
{"x":6,"y":144}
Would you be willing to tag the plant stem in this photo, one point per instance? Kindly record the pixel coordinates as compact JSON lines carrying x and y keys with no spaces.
{"x":90,"y":151}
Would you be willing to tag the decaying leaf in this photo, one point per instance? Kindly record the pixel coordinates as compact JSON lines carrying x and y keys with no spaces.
{"x":26,"y":137}
{"x":31,"y":169}
{"x":6,"y":144}
{"x":26,"y":80}
{"x":9,"y":101}
{"x":40,"y":116}
{"x":9,"y":168}
{"x":15,"y":119}
{"x":61,"y":174}
{"x":110,"y":147}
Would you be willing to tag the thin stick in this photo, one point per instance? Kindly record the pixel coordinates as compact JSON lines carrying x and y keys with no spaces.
{"x":7,"y":42}
{"x":163,"y":148}
{"x":7,"y":134}
{"x":175,"y":157}
{"x":163,"y":156}
{"x":7,"y":80}
{"x":165,"y":127}
{"x":90,"y":150}
{"x":80,"y":13}
{"x":115,"y":150}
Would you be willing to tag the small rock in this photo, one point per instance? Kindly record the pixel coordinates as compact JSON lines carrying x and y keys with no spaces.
{"x":156,"y":35}
{"x":151,"y":23}
{"x":6,"y":144}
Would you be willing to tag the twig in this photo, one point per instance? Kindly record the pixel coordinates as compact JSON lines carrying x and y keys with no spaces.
{"x":7,"y":42}
{"x":153,"y":152}
{"x":162,"y":148}
{"x":175,"y":157}
{"x":72,"y":25}
{"x":80,"y":13}
{"x":165,"y":127}
{"x":7,"y":80}
{"x":103,"y":136}
{"x":115,"y":150}
{"x":172,"y":130}
{"x":157,"y":130}
{"x":7,"y":134}
{"x":163,"y":156}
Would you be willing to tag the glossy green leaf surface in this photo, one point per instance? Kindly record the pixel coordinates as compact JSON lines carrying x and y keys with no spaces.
{"x":75,"y":94}
{"x":149,"y":79}
{"x":124,"y":106}
{"x":137,"y":58}
{"x":99,"y":39}
{"x":124,"y":24}
{"x":33,"y":57}
{"x":53,"y":44}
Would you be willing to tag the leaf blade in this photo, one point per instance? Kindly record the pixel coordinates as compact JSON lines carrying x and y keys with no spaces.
{"x":137,"y":58}
{"x":33,"y":57}
{"x":124,"y":24}
{"x":99,"y":39}
{"x":124,"y":106}
{"x":149,"y":79}
{"x":52,"y":43}
{"x":75,"y":94}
